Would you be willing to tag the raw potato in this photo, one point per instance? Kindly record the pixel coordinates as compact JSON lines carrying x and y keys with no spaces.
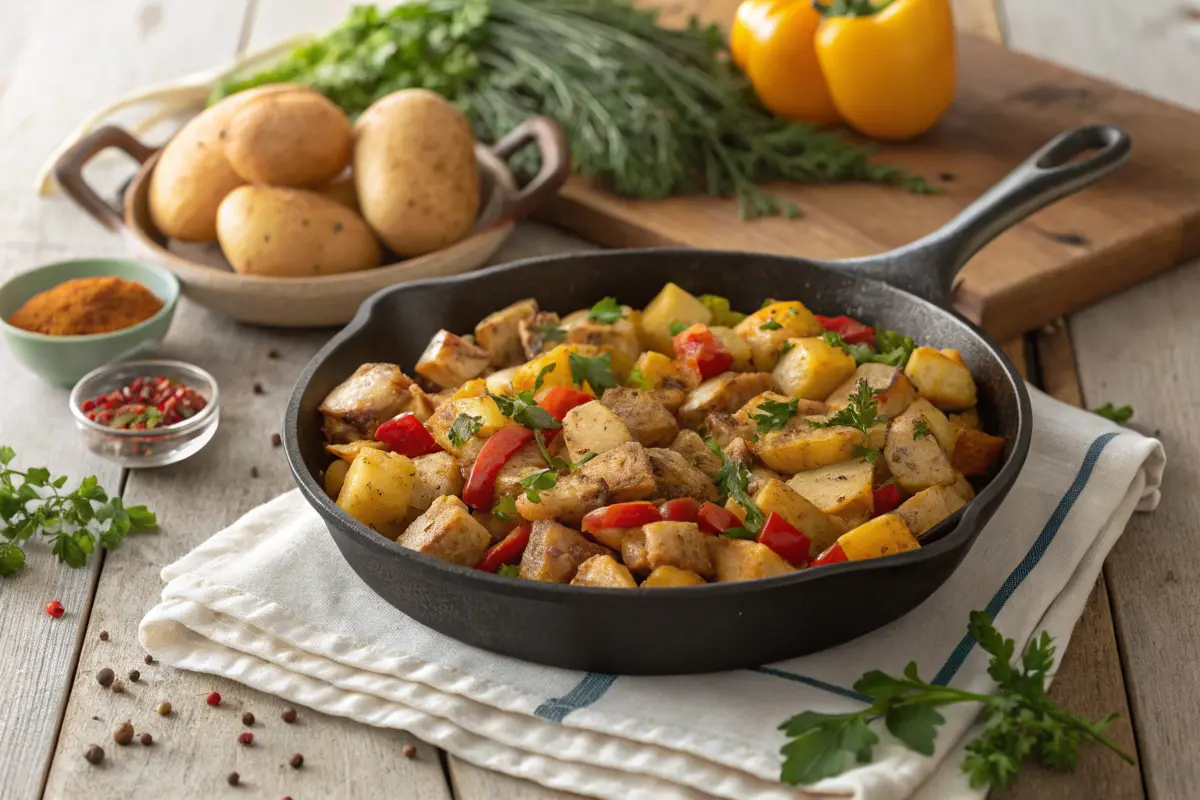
{"x":341,"y":190}
{"x":377,"y":488}
{"x":450,"y":360}
{"x":604,"y":571}
{"x":928,"y":507}
{"x":672,"y":304}
{"x":821,"y":529}
{"x":449,"y":532}
{"x":812,"y":369}
{"x":592,"y":426}
{"x":668,"y":576}
{"x":415,"y":171}
{"x":289,"y":139}
{"x":192,"y":175}
{"x":793,"y":321}
{"x":741,"y":560}
{"x":277,"y":233}
{"x":898,"y":391}
{"x":942,"y":380}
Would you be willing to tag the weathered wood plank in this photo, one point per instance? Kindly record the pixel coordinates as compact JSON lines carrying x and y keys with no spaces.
{"x":1139,"y":348}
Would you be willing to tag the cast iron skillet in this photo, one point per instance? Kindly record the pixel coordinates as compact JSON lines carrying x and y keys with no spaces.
{"x":718,"y":626}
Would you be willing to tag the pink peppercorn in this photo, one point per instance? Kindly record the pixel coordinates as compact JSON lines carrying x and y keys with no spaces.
{"x":213,"y":699}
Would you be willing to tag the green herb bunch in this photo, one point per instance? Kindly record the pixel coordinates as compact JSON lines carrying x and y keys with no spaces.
{"x":31,"y":503}
{"x":649,"y":111}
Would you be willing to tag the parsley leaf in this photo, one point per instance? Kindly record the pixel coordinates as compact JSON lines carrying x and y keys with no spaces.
{"x":733,"y":480}
{"x":541,"y":376}
{"x":676,"y":327}
{"x":894,"y":348}
{"x":1118,"y":414}
{"x":606,"y":311}
{"x":739,"y":533}
{"x":770,"y":325}
{"x":637,"y":380}
{"x":523,"y":409}
{"x":538,"y":481}
{"x":550,"y":333}
{"x":509,"y":570}
{"x":464,"y":427}
{"x":788,"y":345}
{"x":920,"y":429}
{"x":862,"y":414}
{"x":505,"y":508}
{"x":774,"y":414}
{"x":597,"y":372}
{"x":722,"y":314}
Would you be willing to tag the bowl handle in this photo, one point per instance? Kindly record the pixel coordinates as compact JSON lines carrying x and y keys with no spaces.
{"x":556,"y":165}
{"x":68,"y":170}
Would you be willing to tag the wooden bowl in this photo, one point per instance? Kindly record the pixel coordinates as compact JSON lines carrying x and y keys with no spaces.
{"x":328,"y":299}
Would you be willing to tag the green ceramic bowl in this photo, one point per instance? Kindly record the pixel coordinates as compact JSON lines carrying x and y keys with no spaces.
{"x":63,"y":360}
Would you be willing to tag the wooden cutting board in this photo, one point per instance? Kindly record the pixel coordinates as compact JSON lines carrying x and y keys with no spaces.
{"x":1143,"y":219}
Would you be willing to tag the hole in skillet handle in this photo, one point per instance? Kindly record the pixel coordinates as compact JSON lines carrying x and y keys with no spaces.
{"x":553,"y":158}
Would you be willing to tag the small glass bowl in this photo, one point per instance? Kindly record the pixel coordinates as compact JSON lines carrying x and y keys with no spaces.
{"x":155,"y":447}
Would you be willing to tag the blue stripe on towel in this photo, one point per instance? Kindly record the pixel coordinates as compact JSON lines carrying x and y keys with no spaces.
{"x":813,"y":682}
{"x":587,"y":691}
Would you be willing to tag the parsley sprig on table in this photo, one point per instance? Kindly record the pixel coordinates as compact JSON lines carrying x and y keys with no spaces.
{"x":862,"y":414}
{"x":774,"y":414}
{"x":74,"y":521}
{"x":1020,"y":722}
{"x":733,"y":480}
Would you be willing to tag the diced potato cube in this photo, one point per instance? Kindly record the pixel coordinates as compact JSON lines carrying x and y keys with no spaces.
{"x":897,"y":390}
{"x":735,"y":508}
{"x":915,"y":463}
{"x":967,"y":419}
{"x":672,"y":304}
{"x":812,"y":369}
{"x":539,"y":333}
{"x":674,"y":476}
{"x":737,"y":347}
{"x":335,"y":476}
{"x":953,"y":355}
{"x":499,"y":333}
{"x":645,"y":417}
{"x":449,"y":360}
{"x":526,"y":460}
{"x":660,"y":371}
{"x":626,"y":470}
{"x":437,"y":474}
{"x":593,"y":427}
{"x":667,"y":576}
{"x":844,"y":489}
{"x":939,"y":426}
{"x":964,"y":488}
{"x":727,"y":392}
{"x":928,"y":507}
{"x":573,"y":496}
{"x":482,"y":408}
{"x":604,"y":571}
{"x":347,"y":452}
{"x":779,"y":498}
{"x":760,"y":476}
{"x":500,"y":382}
{"x":677,"y":544}
{"x":803,"y":447}
{"x":723,"y":428}
{"x":883,"y":536}
{"x":370,"y":397}
{"x":742,"y":560}
{"x":941,"y":380}
{"x":377,"y":488}
{"x":449,"y":532}
{"x":976,"y":452}
{"x":768,"y":330}
{"x":804,"y":408}
{"x":689,"y":445}
{"x":476,"y":387}
{"x":619,"y":338}
{"x":555,"y":552}
{"x":526,"y":375}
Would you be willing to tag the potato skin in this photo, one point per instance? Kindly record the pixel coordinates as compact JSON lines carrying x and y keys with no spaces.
{"x":277,"y":232}
{"x":289,"y":139}
{"x":415,"y":171}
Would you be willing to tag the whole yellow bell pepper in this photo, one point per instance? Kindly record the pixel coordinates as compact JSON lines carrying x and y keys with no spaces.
{"x":886,"y":67}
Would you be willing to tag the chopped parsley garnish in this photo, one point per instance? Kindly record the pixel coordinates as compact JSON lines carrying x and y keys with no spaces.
{"x":920,"y":429}
{"x":465,"y":426}
{"x":538,"y":481}
{"x":548,"y":478}
{"x":1118,"y":414}
{"x":862,"y":414}
{"x":770,"y":325}
{"x":509,"y":570}
{"x":550,"y":333}
{"x":637,"y":380}
{"x":597,"y":372}
{"x":772,"y":414}
{"x":606,"y":311}
{"x":505,"y":508}
{"x":891,"y":348}
{"x":738,"y":533}
{"x":523,"y":409}
{"x":722,"y":314}
{"x":733,"y":480}
{"x":676,"y":327}
{"x":788,"y":345}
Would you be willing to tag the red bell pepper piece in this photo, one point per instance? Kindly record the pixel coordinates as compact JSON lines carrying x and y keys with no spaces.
{"x":834,"y":554}
{"x":681,"y":509}
{"x":700,"y":352}
{"x":561,"y":399}
{"x":850,"y":329}
{"x":714,"y":519}
{"x":507,"y":550}
{"x":621,"y":515}
{"x":887,"y":498}
{"x":779,"y":535}
{"x":481,"y":485}
{"x":406,"y":435}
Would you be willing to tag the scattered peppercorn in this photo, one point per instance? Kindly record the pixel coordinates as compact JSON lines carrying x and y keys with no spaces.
{"x":105,"y":677}
{"x":163,"y":708}
{"x":117,"y":686}
{"x":104,"y":636}
{"x":248,"y":719}
{"x":289,"y":715}
{"x":123,"y":734}
{"x":297,"y":761}
{"x":276,"y":440}
{"x":146,"y":739}
{"x":258,"y":388}
{"x":409,"y":751}
{"x":254,"y":472}
{"x":55,"y":609}
{"x":213,"y":699}
{"x":134,"y":675}
{"x":233,"y":778}
{"x":272,"y":353}
{"x":246,"y":738}
{"x":148,"y":659}
{"x":94,"y":754}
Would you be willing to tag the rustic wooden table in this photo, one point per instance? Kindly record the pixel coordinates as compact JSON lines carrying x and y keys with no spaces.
{"x":1134,"y":650}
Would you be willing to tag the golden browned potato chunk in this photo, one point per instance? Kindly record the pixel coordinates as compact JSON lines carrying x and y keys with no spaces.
{"x":573,"y":496}
{"x":674,"y":476}
{"x":370,"y":397}
{"x":728,"y":391}
{"x":526,"y":460}
{"x":658,"y":544}
{"x":668,"y":576}
{"x":593,"y":427}
{"x":555,"y":552}
{"x":662,"y":377}
{"x":646,"y":418}
{"x":335,"y":476}
{"x":768,"y":329}
{"x":938,"y":425}
{"x":741,"y":560}
{"x":671,"y":305}
{"x":499,"y":333}
{"x":928,"y":507}
{"x":844,"y":489}
{"x":483,"y":409}
{"x":626,"y":470}
{"x":723,"y":428}
{"x":449,"y":532}
{"x":760,"y":476}
{"x":896,"y":390}
{"x":743,"y":357}
{"x":377,"y":489}
{"x":812,"y":368}
{"x":619,"y":338}
{"x":884,"y":535}
{"x":691,"y":446}
{"x":449,"y":360}
{"x":604,"y":571}
{"x":967,"y":419}
{"x":804,"y":408}
{"x":437,"y":474}
{"x":944,"y":381}
{"x":803,"y":447}
{"x":540,"y":333}
{"x":347,"y":452}
{"x":976,"y":452}
{"x":821,"y":529}
{"x":916,"y":460}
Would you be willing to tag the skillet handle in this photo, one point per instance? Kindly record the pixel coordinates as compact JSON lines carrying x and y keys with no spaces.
{"x":928,"y":266}
{"x":555,"y":154}
{"x":68,"y":170}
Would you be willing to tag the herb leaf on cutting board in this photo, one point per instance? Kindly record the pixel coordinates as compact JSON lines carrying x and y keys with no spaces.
{"x":649,"y":112}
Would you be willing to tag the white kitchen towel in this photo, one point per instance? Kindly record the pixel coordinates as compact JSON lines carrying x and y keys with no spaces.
{"x":269,"y":602}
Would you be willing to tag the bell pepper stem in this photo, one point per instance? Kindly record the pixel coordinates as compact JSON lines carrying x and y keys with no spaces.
{"x":849,"y":8}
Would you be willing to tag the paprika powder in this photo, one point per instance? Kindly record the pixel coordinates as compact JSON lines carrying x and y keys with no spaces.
{"x":84,"y":306}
